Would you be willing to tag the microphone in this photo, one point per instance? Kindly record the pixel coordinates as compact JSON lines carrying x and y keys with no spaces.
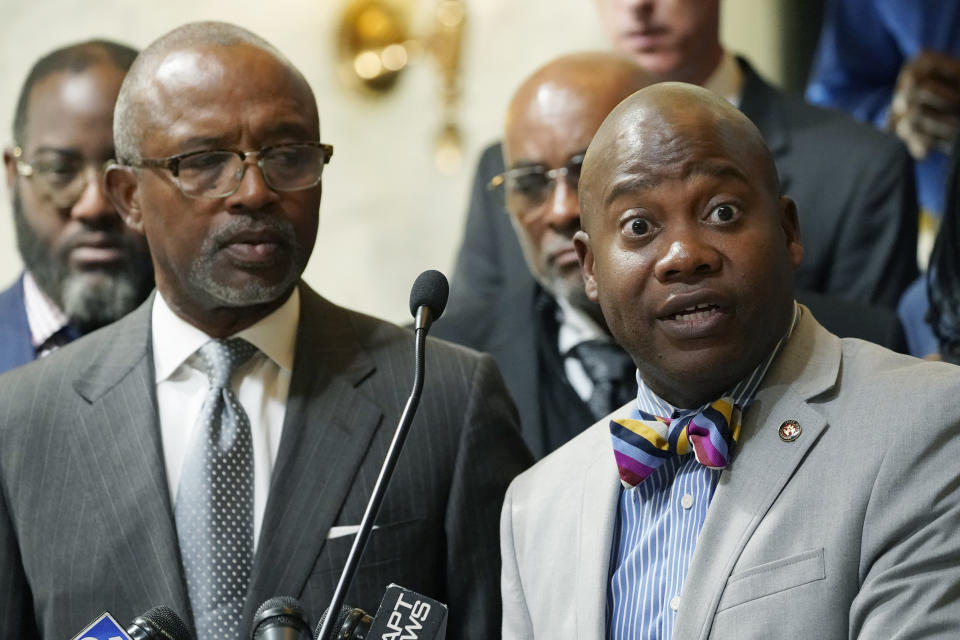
{"x":428,"y":297}
{"x":281,"y":618}
{"x":402,"y":614}
{"x":159,"y":623}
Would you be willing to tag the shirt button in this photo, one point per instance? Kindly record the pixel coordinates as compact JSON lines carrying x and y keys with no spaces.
{"x":686,"y":501}
{"x":675,"y":602}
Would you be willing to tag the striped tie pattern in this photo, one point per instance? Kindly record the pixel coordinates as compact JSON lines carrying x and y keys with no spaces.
{"x":643,"y":441}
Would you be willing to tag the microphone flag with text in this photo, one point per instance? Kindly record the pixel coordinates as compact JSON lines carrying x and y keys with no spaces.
{"x":403,"y":615}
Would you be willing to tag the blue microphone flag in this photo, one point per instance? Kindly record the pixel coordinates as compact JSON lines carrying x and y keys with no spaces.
{"x":103,"y":628}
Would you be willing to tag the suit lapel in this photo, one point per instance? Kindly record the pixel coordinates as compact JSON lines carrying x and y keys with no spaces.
{"x":598,"y":508}
{"x":763,"y":464}
{"x":327,"y":431}
{"x":120,"y":425}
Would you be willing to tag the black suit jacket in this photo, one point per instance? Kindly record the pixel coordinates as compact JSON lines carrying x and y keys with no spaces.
{"x":854,"y":187}
{"x":86,"y":523}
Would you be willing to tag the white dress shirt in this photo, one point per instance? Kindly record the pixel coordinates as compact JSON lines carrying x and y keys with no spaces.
{"x":44,"y":317}
{"x":261,"y":384}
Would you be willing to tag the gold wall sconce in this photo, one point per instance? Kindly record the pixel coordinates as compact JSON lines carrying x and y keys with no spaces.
{"x":375,"y":43}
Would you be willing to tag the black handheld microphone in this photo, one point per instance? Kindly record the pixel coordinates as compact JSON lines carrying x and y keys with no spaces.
{"x":402,"y":614}
{"x":281,"y":618}
{"x":159,"y":623}
{"x":428,"y":298}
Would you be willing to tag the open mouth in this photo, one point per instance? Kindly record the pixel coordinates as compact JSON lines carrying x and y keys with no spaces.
{"x":696,"y":313}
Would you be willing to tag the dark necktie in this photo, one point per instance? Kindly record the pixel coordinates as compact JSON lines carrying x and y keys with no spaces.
{"x":214,"y":506}
{"x":612,"y":372}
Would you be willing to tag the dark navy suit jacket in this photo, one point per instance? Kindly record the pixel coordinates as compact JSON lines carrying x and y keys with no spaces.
{"x":15,"y":346}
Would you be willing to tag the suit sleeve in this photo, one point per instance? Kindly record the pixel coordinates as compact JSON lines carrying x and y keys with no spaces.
{"x":857,"y":62}
{"x":876,"y":252}
{"x":16,"y":606}
{"x":490,"y":455}
{"x":910,"y":552}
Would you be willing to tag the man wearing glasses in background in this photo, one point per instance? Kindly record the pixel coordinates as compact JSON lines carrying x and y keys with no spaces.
{"x":551,"y":343}
{"x":216,"y":447}
{"x":83,"y":267}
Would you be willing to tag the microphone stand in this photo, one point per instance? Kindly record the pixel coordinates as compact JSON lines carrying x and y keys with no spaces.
{"x":423,"y":320}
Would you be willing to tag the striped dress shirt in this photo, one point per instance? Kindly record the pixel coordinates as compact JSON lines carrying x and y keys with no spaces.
{"x":658,"y":523}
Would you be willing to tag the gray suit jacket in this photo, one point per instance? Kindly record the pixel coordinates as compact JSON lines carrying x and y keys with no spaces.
{"x":86,"y":523}
{"x":851,"y":530}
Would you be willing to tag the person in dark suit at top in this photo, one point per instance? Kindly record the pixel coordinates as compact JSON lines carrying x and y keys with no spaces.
{"x":217,"y":446}
{"x":551,"y":343}
{"x":853,"y":185}
{"x":82,"y":267}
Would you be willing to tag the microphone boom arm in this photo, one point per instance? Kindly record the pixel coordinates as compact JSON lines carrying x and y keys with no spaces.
{"x":423,"y":320}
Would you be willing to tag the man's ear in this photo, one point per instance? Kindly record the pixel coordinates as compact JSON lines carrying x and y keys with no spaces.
{"x":581,"y":242}
{"x":122,"y":187}
{"x":10,"y":165}
{"x":790,"y":222}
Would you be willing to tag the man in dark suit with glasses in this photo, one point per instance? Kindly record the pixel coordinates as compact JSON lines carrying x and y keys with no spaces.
{"x":82,"y":267}
{"x":217,"y":446}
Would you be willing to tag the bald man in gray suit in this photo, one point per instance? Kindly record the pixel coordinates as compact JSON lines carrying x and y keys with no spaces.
{"x":770,"y":480}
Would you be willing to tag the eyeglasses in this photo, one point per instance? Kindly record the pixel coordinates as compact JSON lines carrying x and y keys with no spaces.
{"x":217,"y":174}
{"x":534,"y":183}
{"x":61,"y":177}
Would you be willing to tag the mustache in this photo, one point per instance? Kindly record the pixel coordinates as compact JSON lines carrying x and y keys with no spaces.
{"x":280,"y":231}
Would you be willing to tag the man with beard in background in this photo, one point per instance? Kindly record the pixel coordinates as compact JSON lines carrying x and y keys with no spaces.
{"x":82,"y":267}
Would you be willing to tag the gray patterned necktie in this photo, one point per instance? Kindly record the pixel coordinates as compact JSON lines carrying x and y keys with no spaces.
{"x":214,"y":506}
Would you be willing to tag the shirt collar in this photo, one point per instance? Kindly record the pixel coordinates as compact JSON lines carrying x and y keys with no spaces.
{"x":175,"y":339}
{"x":576,"y":327}
{"x":44,"y":317}
{"x":726,"y":80}
{"x":742,"y":393}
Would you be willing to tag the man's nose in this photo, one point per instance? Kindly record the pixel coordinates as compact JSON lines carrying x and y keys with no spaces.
{"x":93,"y":203}
{"x":688,"y":256}
{"x":563,"y":206}
{"x":253,"y":192}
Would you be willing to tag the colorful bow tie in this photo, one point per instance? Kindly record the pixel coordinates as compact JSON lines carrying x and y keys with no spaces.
{"x":640,"y":448}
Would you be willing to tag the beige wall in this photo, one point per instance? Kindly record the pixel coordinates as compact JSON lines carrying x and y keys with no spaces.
{"x":387,"y":214}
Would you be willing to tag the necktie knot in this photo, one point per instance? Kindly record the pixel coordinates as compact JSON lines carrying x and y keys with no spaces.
{"x":221,"y":357}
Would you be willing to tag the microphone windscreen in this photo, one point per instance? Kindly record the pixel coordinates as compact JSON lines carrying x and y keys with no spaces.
{"x":280,"y":612}
{"x":430,"y":289}
{"x":162,"y":623}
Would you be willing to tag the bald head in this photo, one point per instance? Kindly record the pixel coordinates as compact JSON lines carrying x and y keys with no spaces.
{"x":171,"y":55}
{"x":551,"y":120}
{"x":668,"y":125}
{"x":582,"y":86}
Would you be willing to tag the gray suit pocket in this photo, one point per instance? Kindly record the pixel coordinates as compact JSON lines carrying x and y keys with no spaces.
{"x":772,"y":577}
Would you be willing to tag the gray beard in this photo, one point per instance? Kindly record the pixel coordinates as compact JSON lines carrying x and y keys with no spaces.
{"x":89,"y":299}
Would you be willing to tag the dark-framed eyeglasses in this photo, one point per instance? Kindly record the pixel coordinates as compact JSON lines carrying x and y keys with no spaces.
{"x":60,"y":176}
{"x":218,"y":173}
{"x":534,"y":183}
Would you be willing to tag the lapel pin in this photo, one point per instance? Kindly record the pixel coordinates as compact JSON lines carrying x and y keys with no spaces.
{"x":790,"y":430}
